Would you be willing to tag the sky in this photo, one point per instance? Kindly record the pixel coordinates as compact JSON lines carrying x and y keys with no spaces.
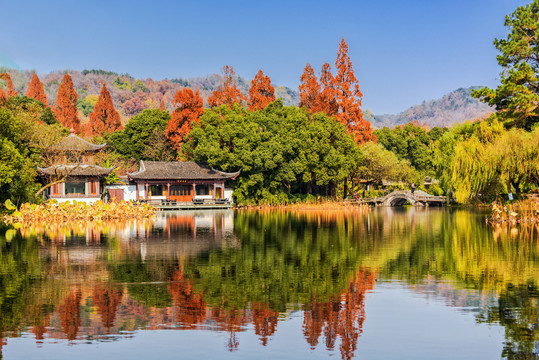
{"x":403,"y":52}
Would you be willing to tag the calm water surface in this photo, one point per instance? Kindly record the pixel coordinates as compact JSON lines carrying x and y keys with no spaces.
{"x":367,"y":284}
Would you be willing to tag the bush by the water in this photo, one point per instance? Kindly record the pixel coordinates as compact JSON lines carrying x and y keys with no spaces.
{"x":67,"y":211}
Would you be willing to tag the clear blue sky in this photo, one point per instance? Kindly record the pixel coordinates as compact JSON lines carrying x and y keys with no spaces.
{"x":403,"y":52}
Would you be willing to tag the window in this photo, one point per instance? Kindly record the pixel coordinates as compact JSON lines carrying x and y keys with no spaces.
{"x":156,"y":190}
{"x":75,"y":188}
{"x":94,"y":186}
{"x":180,"y":190}
{"x":203,"y":189}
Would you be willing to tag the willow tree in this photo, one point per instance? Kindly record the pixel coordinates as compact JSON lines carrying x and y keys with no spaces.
{"x":517,"y":97}
{"x":484,"y":159}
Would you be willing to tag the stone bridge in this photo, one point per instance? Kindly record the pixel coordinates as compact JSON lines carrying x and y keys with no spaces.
{"x":399,"y":198}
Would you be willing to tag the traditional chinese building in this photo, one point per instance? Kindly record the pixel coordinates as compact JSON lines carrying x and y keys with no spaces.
{"x":180,"y":181}
{"x":74,"y":176}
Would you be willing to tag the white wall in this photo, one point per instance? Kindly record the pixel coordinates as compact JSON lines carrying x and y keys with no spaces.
{"x":130,"y":191}
{"x":84,"y":200}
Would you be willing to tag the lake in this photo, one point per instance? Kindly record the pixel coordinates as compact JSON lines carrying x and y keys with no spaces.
{"x":364,"y":283}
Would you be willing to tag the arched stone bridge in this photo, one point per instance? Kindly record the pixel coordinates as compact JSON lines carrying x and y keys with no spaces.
{"x":399,"y":198}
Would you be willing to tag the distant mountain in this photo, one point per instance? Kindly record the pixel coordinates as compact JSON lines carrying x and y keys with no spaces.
{"x":455,"y":107}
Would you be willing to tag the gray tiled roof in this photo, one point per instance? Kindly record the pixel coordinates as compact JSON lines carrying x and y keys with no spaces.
{"x":75,"y":143}
{"x":176,"y":170}
{"x":75,"y":170}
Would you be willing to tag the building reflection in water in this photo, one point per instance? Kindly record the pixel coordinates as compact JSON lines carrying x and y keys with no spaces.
{"x":214,"y":271}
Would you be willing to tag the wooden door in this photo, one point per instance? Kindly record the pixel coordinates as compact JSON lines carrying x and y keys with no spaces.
{"x":181,"y":193}
{"x":116,"y":194}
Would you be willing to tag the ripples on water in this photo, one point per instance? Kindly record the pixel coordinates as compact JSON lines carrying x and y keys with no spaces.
{"x":383,"y":283}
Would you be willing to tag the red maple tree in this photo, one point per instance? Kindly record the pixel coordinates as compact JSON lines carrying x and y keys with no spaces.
{"x":190,"y":108}
{"x":349,"y":98}
{"x":65,"y":108}
{"x":35,"y":90}
{"x":104,"y":118}
{"x":227,"y":93}
{"x":10,"y":90}
{"x":261,"y":93}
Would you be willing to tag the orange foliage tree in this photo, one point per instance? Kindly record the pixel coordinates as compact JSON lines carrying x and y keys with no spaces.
{"x":35,"y":90}
{"x":227,"y":93}
{"x":338,"y":96}
{"x":261,"y":93}
{"x":10,"y":90}
{"x":65,"y":108}
{"x":309,"y":90}
{"x":191,"y":107}
{"x":327,"y":100}
{"x":2,"y":95}
{"x":349,"y":98}
{"x":104,"y":118}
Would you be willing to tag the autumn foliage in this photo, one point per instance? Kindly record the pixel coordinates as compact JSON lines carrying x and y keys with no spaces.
{"x":341,"y":317}
{"x":35,"y":90}
{"x":190,"y":108}
{"x":104,"y":118}
{"x":309,"y":90}
{"x":69,"y":311}
{"x":261,"y":93}
{"x":10,"y":90}
{"x":338,"y":96}
{"x":65,"y":108}
{"x":227,"y":93}
{"x":107,"y":300}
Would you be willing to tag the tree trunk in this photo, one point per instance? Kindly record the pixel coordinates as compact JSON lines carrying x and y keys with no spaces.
{"x":49,"y":185}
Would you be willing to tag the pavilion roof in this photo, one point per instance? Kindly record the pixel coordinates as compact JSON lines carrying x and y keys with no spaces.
{"x":75,"y":143}
{"x":75,"y":170}
{"x":176,"y":170}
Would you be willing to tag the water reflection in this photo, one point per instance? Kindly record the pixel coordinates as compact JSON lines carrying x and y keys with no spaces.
{"x":248,"y":271}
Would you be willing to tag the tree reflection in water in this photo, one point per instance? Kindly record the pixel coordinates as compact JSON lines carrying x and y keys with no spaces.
{"x":232,"y":273}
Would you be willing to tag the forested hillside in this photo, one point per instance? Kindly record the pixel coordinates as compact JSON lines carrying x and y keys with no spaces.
{"x":130,"y":95}
{"x":453,"y":108}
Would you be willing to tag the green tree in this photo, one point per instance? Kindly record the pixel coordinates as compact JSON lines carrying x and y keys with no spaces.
{"x":133,"y":140}
{"x":279,"y":150}
{"x":517,"y":97}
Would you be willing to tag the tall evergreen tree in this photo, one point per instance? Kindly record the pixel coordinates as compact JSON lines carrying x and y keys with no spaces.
{"x":261,"y":93}
{"x":35,"y":90}
{"x":104,"y":118}
{"x":65,"y":108}
{"x":517,"y":97}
